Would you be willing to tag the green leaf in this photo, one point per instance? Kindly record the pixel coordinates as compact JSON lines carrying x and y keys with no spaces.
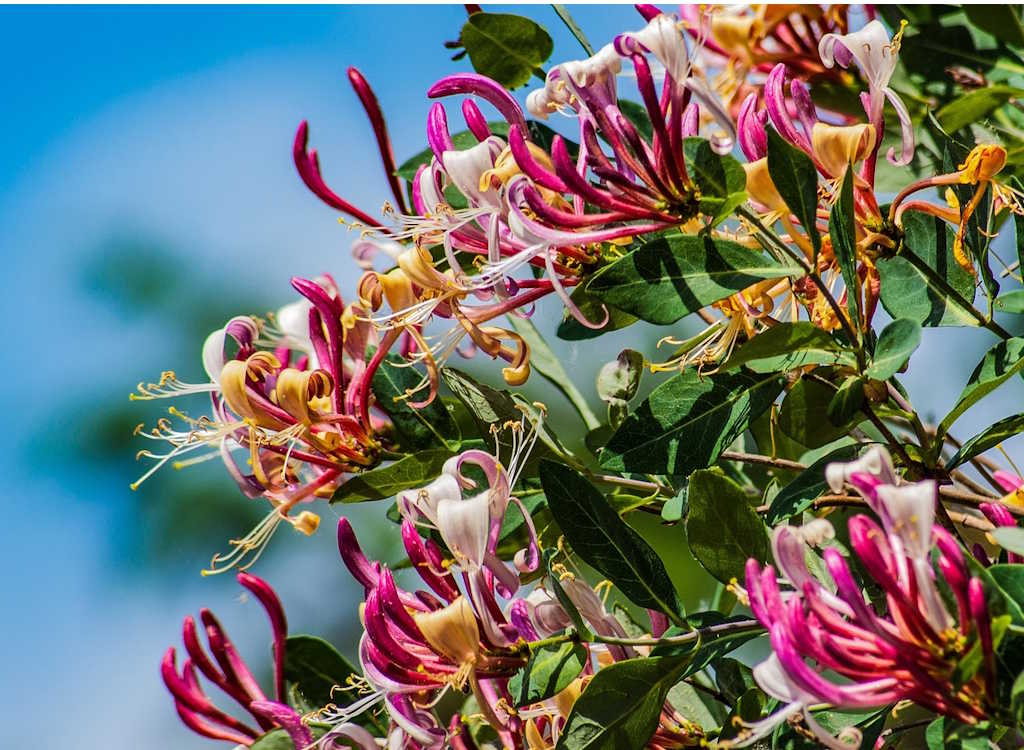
{"x":842,"y":229}
{"x":721,"y":179}
{"x":1010,"y":538}
{"x":1011,"y":302}
{"x":948,"y":734}
{"x":547,"y":363}
{"x":1001,"y":21}
{"x":278,"y":739}
{"x":804,"y":414}
{"x":462,"y":140}
{"x":490,"y":406}
{"x":574,"y":28}
{"x":896,"y":343}
{"x":1004,"y":588}
{"x":415,"y":470}
{"x":638,"y":117}
{"x":988,"y":438}
{"x":670,"y":277}
{"x":796,"y":179}
{"x":563,"y":598}
{"x":907,"y":293}
{"x":723,"y":530}
{"x":688,"y":421}
{"x":597,"y":534}
{"x":621,"y":706}
{"x":787,"y":346}
{"x":508,"y":48}
{"x":1000,"y":363}
{"x":417,"y":428}
{"x":797,"y":496}
{"x":674,"y":508}
{"x":592,"y":308}
{"x":711,"y":649}
{"x":846,"y":402}
{"x":548,"y":672}
{"x":315,"y":667}
{"x":976,"y":105}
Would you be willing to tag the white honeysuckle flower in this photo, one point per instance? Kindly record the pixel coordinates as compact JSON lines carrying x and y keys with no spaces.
{"x":877,"y":55}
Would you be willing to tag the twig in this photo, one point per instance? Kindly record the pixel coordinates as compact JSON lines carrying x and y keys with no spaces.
{"x":757,"y":458}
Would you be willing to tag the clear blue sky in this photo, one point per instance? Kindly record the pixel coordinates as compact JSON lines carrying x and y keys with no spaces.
{"x":174,"y":124}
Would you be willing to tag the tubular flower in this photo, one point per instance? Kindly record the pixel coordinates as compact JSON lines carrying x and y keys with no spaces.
{"x":229,"y":672}
{"x":877,"y":56}
{"x":979,"y":169}
{"x":285,"y":394}
{"x":909,"y":653}
{"x":643,"y":185}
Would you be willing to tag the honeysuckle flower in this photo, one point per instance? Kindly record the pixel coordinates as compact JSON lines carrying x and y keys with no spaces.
{"x":232,"y":676}
{"x":908,"y":653}
{"x":290,"y":395}
{"x":876,"y":55}
{"x":642,"y":181}
{"x":979,"y":169}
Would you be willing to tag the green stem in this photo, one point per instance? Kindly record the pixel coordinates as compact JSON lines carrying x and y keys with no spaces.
{"x":812,"y":274}
{"x":940,"y":284}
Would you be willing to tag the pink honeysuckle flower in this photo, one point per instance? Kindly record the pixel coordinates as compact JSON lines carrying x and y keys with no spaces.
{"x":998,"y":514}
{"x":229,"y":672}
{"x":289,"y":395}
{"x":908,"y":653}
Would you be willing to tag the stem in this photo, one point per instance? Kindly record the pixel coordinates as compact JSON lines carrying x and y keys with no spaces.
{"x":757,"y":458}
{"x":812,"y":274}
{"x":944,"y":286}
{"x":636,"y":484}
{"x":697,"y":634}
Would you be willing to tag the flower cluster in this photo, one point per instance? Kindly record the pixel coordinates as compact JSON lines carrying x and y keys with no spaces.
{"x":732,"y":164}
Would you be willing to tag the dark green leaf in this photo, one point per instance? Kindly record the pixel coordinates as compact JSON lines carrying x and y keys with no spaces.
{"x":278,"y":739}
{"x":548,"y":672}
{"x":975,"y":106}
{"x":620,"y":707}
{"x":315,"y":667}
{"x":490,"y":406}
{"x":597,"y":534}
{"x":796,"y":179}
{"x":1001,"y":21}
{"x":1010,"y":579}
{"x":797,"y":496}
{"x":673,"y":276}
{"x":846,"y":402}
{"x":842,"y":229}
{"x":688,"y":421}
{"x":723,"y":530}
{"x":508,"y":48}
{"x":417,"y":428}
{"x":1000,"y":363}
{"x":637,"y":115}
{"x":721,"y":179}
{"x":804,"y":414}
{"x":896,"y":343}
{"x":906,"y":293}
{"x":562,"y":597}
{"x":988,"y":438}
{"x":415,"y":470}
{"x":787,"y":346}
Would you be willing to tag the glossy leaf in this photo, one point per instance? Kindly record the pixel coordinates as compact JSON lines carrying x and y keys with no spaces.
{"x":787,"y":346}
{"x":804,"y":414}
{"x":907,"y":293}
{"x":548,"y":672}
{"x":896,"y":343}
{"x":508,"y":48}
{"x":414,"y":470}
{"x":597,"y":534}
{"x":842,"y":230}
{"x":315,"y":667}
{"x":721,"y":179}
{"x":797,"y":496}
{"x":688,"y":421}
{"x":988,"y":438}
{"x":621,"y":705}
{"x":592,"y":308}
{"x":1000,"y":363}
{"x":670,"y":277}
{"x":722,"y":527}
{"x":975,"y":106}
{"x":422,"y":427}
{"x":796,"y":179}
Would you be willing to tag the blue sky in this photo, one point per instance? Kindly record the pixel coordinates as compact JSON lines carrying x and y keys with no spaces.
{"x":176,"y":124}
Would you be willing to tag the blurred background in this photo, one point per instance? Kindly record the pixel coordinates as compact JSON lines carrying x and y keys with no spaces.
{"x":147,"y":194}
